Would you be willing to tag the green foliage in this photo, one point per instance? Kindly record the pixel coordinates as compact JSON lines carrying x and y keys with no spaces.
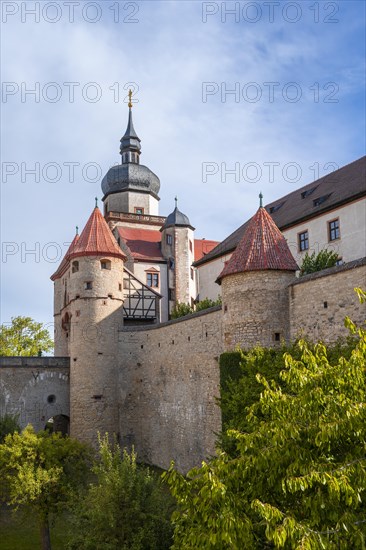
{"x":240,"y":387}
{"x":180,"y":310}
{"x":206,"y":303}
{"x":42,"y":472}
{"x":8,"y":425}
{"x":127,"y":508}
{"x":24,"y":337}
{"x":298,"y":477}
{"x":316,"y":262}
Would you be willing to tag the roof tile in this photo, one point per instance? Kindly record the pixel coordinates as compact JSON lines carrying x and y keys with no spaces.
{"x":144,"y":244}
{"x":262,"y":247}
{"x":203,"y":247}
{"x":62,"y":268}
{"x":97,"y":239}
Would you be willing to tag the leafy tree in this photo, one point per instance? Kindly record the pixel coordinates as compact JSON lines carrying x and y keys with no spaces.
{"x":24,"y":337}
{"x":240,"y":387}
{"x":127,"y":508}
{"x":8,"y":425}
{"x":41,"y":472}
{"x":180,"y":310}
{"x":316,"y":262}
{"x":298,"y":480}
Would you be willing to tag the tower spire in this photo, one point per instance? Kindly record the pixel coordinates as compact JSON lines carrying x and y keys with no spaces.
{"x":130,"y":148}
{"x":130,"y":99}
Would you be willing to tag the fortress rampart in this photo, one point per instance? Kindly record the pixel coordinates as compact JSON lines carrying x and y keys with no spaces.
{"x":161,"y":382}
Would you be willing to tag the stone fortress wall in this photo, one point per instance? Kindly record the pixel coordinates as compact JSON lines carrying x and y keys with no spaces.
{"x":167,"y":376}
{"x":168,"y":384}
{"x":319,"y":302}
{"x":34,"y":389}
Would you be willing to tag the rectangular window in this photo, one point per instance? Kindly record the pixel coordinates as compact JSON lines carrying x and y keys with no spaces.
{"x":190,"y":246}
{"x":171,"y":293}
{"x":139,"y":210}
{"x":152,"y":279}
{"x":192,"y":273}
{"x":303,"y":241}
{"x":88,"y":285}
{"x":169,"y":239}
{"x":333,"y":230}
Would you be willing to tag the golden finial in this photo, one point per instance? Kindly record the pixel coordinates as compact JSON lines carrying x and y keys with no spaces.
{"x":130,"y":98}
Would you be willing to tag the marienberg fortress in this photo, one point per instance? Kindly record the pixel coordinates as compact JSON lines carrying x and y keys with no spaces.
{"x":123,"y":366}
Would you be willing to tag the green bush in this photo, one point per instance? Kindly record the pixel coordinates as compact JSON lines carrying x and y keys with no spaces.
{"x":316,"y":262}
{"x":180,"y":310}
{"x":8,"y":425}
{"x":206,"y":303}
{"x":126,"y":508}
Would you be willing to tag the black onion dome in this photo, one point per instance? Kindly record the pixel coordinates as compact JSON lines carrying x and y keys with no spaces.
{"x":130,"y":177}
{"x":177,"y":218}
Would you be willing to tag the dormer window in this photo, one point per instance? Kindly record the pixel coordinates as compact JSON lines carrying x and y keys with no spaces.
{"x":75,"y":267}
{"x":308,"y":192}
{"x":320,"y":200}
{"x":276,"y":207}
{"x":105,"y":264}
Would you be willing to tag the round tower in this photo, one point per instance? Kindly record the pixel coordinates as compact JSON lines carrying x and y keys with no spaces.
{"x":90,"y":323}
{"x":255,"y":283}
{"x":61,"y":303}
{"x":177,"y":244}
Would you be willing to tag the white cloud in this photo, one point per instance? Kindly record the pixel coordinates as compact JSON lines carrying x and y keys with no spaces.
{"x":169,"y":53}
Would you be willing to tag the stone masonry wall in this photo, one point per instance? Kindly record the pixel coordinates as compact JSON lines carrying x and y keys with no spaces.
{"x":319,"y":302}
{"x":26,"y":387}
{"x":168,"y":384}
{"x":255,"y":308}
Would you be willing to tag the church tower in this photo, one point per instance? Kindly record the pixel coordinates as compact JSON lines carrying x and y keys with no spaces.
{"x":88,"y":314}
{"x":255,"y":283}
{"x":177,"y":244}
{"x":131,"y":187}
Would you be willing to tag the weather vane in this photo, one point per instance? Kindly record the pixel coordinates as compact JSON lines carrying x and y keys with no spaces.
{"x":130,"y":98}
{"x":260,"y":200}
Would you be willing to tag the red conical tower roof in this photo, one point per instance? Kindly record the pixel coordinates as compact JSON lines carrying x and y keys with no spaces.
{"x":62,"y":268}
{"x":262,"y":247}
{"x":97,"y":239}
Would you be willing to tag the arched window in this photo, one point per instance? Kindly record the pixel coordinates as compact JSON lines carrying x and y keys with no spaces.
{"x":105,"y":264}
{"x":75,"y":267}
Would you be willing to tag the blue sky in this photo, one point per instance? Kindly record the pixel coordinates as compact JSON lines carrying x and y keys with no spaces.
{"x":184,"y":58}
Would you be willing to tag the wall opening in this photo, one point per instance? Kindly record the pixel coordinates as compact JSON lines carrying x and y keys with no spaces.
{"x":58,"y":423}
